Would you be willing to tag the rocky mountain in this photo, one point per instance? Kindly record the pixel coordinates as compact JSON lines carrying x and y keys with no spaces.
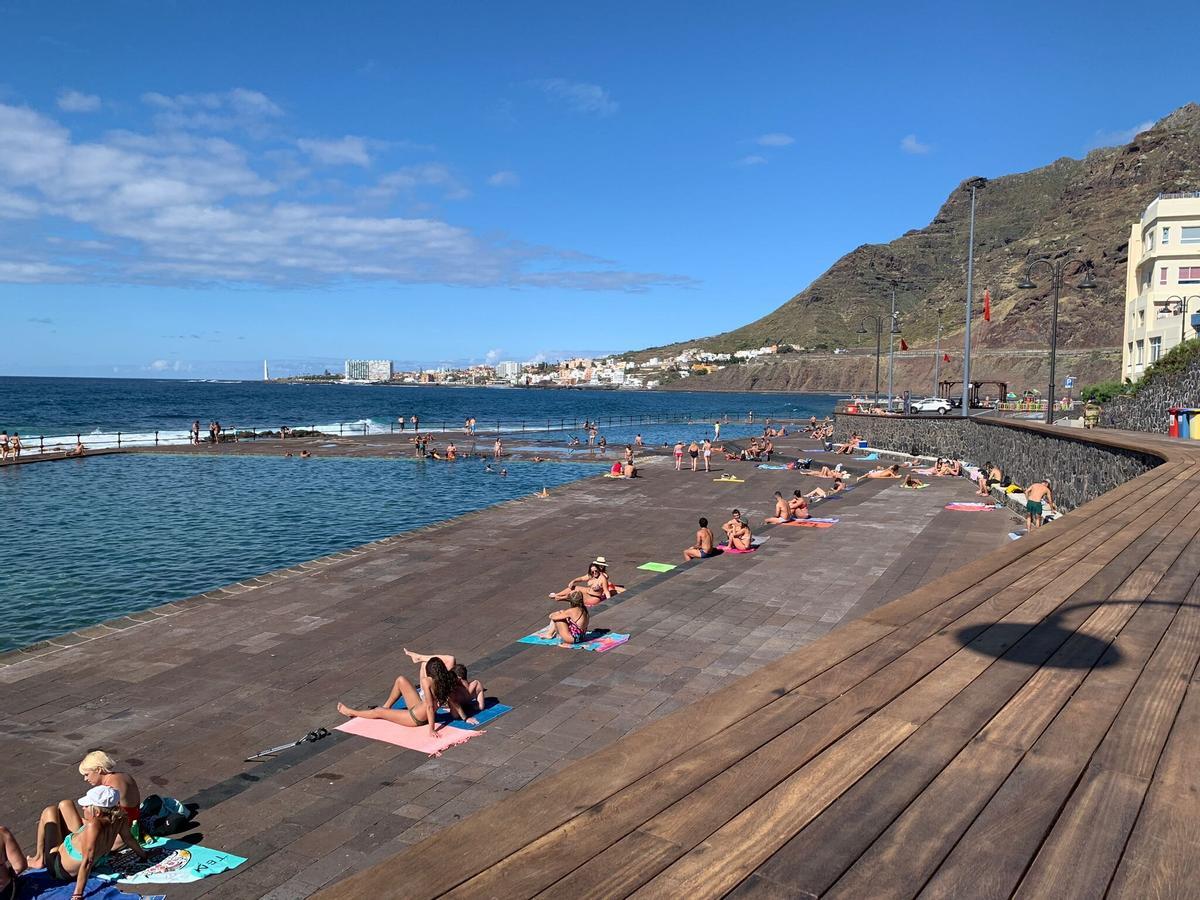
{"x":1079,"y":209}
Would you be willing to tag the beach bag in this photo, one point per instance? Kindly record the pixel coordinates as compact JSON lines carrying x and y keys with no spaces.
{"x":162,"y":816}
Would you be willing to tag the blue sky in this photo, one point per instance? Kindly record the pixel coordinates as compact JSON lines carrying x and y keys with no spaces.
{"x":188,"y":188}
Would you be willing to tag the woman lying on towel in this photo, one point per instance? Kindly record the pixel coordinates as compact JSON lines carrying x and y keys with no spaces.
{"x":439,"y":687}
{"x":892,"y":471}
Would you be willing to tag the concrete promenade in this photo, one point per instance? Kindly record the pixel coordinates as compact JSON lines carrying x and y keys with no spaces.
{"x":184,"y":693}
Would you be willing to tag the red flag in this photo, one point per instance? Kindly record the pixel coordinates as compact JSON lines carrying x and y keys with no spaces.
{"x":987,"y":305}
{"x":945,"y":357}
{"x":903,"y":344}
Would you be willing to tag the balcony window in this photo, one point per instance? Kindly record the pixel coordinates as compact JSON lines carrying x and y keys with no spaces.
{"x":1141,"y":352}
{"x":1155,"y":349}
{"x":1189,"y":274}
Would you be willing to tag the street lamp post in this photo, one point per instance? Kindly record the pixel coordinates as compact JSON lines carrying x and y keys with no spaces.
{"x":974,"y":185}
{"x":937,"y":357}
{"x":892,"y":348}
{"x":862,"y":329}
{"x":1057,"y":272}
{"x":1183,"y":306}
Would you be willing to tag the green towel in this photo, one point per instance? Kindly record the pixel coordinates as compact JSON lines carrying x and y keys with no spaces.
{"x":656,"y":567}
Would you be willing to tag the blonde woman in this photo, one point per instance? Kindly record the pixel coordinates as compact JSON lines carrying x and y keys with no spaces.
{"x":98,"y":768}
{"x":68,"y":851}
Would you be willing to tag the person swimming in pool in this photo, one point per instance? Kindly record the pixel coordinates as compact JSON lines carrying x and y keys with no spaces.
{"x":703,"y":548}
{"x":438,"y":686}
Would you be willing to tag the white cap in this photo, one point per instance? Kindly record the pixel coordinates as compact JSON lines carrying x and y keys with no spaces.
{"x":103,"y":796}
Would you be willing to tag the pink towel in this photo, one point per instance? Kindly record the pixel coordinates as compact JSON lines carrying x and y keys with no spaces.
{"x":409,"y":737}
{"x":970,"y":507}
{"x":727,"y":549}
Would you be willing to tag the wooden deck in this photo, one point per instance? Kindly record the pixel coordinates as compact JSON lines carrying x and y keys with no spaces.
{"x":1024,"y":726}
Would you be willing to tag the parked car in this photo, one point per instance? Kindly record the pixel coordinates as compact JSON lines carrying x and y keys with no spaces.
{"x":939,"y":405}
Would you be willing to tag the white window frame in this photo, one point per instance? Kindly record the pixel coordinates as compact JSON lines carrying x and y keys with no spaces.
{"x":1183,"y":232}
{"x":1155,"y":349}
{"x":1166,"y":235}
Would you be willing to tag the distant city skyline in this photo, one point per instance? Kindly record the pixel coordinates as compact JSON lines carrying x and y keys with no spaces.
{"x":181,"y":196}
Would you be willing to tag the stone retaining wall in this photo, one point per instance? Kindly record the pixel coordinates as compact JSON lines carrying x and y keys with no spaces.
{"x":1148,"y":410}
{"x":1078,"y":470}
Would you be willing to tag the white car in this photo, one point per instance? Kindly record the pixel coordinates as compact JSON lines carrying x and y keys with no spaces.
{"x":939,"y":405}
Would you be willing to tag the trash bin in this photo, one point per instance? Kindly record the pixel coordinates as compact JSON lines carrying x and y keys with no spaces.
{"x":1184,"y":424}
{"x":1193,"y":416}
{"x":1173,"y":428}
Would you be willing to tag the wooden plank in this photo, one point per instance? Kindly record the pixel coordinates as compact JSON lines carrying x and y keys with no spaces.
{"x":735,"y":850}
{"x":1160,"y":859}
{"x":560,"y":855}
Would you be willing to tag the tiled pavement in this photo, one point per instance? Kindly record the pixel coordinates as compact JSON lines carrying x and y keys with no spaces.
{"x":183,"y":699}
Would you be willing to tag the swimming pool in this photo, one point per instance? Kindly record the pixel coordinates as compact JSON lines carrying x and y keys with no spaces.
{"x":92,"y":539}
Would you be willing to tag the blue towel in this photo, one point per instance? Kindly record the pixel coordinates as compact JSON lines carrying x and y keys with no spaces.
{"x":868,"y":457}
{"x":494,"y":710}
{"x":37,"y":883}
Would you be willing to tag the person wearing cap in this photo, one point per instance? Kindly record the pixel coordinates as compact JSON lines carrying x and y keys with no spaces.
{"x":595,"y":586}
{"x":70,"y":854}
{"x":97,"y":767}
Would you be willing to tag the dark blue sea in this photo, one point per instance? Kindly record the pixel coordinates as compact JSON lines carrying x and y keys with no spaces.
{"x":87,"y":540}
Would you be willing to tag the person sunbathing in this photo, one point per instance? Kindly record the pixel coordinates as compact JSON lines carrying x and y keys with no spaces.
{"x":438,"y":687}
{"x":782,"y":511}
{"x":595,"y":586}
{"x":892,"y":471}
{"x":97,"y":768}
{"x":570,"y":625}
{"x":703,"y":548}
{"x":737,"y":533}
{"x":470,"y":692}
{"x":12,"y":863}
{"x":912,"y":481}
{"x":629,"y":470}
{"x":70,"y":847}
{"x":825,"y":472}
{"x":79,"y":450}
{"x":850,"y":446}
{"x":820,"y":493}
{"x":798,"y":506}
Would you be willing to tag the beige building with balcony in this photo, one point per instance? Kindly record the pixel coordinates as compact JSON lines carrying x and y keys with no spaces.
{"x":1162,"y":283}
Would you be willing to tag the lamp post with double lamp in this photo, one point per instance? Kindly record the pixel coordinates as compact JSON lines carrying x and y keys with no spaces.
{"x":973,"y":185}
{"x":1183,"y":307}
{"x":877,"y":321}
{"x":1058,"y":274}
{"x":937,"y":356}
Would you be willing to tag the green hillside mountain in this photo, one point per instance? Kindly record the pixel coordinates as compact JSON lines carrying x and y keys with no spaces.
{"x":1081,"y":208}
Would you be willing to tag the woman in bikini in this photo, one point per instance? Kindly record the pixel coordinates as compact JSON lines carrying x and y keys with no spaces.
{"x":678,"y":456}
{"x":69,"y":852}
{"x":595,"y":586}
{"x":98,"y":768}
{"x":439,"y":686}
{"x":570,"y":624}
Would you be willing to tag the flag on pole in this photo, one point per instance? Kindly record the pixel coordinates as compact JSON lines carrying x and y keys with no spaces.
{"x":987,"y":305}
{"x":903,"y":344}
{"x":945,"y":357}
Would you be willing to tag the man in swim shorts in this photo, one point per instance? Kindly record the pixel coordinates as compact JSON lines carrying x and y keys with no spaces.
{"x":782,"y":513}
{"x":1037,"y":496}
{"x":737,"y":532}
{"x":703,"y":548}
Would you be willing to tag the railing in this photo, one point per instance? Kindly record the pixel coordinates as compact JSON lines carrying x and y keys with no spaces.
{"x":122,"y":440}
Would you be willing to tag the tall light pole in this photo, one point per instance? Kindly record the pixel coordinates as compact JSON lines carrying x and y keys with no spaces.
{"x":892,"y":347}
{"x":1183,"y":306}
{"x":877,"y":321}
{"x":937,"y":356}
{"x":973,"y":185}
{"x":1057,"y":276}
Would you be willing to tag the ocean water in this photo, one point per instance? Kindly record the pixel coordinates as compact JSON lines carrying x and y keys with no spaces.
{"x":58,"y":409}
{"x":92,"y":539}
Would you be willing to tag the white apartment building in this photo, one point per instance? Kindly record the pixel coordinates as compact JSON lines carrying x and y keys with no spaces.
{"x":368,"y":370}
{"x":1162,"y":282}
{"x":508,"y":369}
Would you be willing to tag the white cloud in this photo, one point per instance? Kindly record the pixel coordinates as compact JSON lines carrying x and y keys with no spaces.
{"x":910,"y":144}
{"x":1116,"y":138}
{"x":753,"y":159}
{"x":579,"y":96}
{"x":504,"y":178}
{"x":185,"y":208}
{"x":74,"y":101}
{"x":164,"y":365}
{"x":237,"y":108}
{"x":774,"y":139}
{"x":346,"y":151}
{"x":493,"y":356}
